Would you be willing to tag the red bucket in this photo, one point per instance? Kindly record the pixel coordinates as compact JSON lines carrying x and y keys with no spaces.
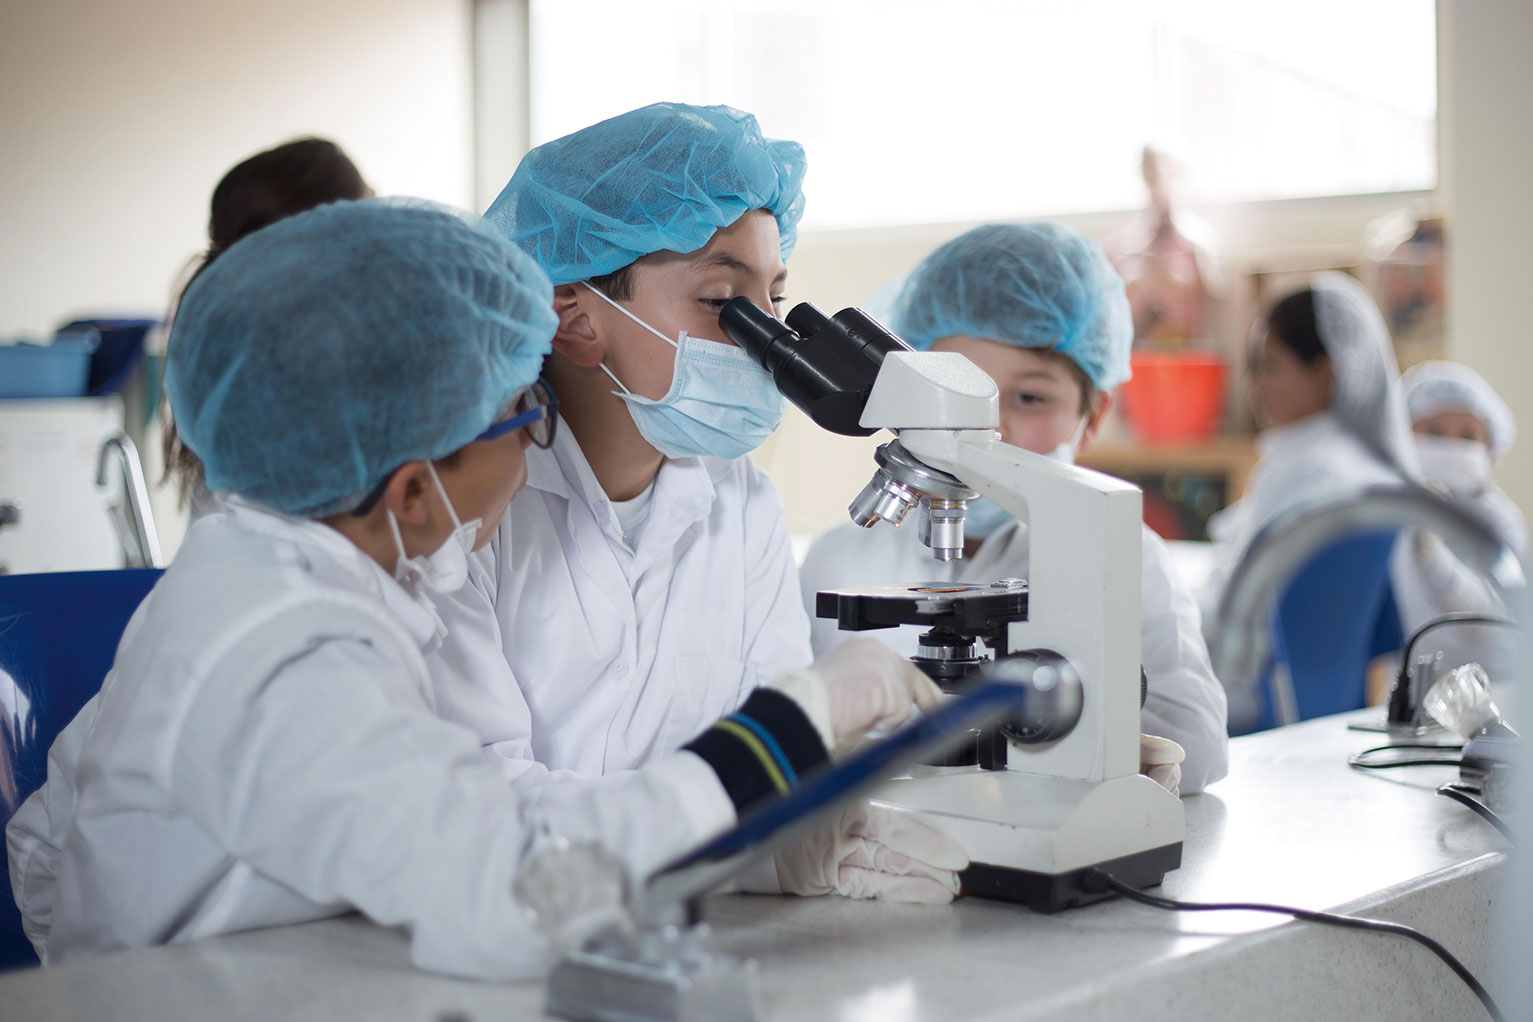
{"x":1174,"y":397}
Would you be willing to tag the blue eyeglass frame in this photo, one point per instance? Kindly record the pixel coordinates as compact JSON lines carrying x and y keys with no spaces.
{"x":538,"y":413}
{"x":548,"y":410}
{"x":516,"y":422}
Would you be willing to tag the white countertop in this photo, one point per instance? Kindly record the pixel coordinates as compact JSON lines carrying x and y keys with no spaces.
{"x":1292,"y":824}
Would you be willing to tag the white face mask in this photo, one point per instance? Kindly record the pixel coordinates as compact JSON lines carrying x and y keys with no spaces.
{"x":1463,"y":466}
{"x":1065,"y":452}
{"x":446,"y":570}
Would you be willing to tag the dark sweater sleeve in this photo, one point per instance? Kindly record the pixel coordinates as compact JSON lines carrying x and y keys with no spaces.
{"x":762,"y":749}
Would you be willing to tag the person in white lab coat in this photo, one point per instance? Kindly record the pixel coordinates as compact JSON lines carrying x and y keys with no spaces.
{"x":1039,"y":308}
{"x":359,"y":383}
{"x":1462,"y":428}
{"x":1325,"y":392}
{"x":644,"y":582}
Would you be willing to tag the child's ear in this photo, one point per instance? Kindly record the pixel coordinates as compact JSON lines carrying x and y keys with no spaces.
{"x":1096,"y":414}
{"x":577,"y":338}
{"x":406,"y":494}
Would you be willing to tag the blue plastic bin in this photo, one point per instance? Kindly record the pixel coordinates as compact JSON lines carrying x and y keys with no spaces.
{"x":60,"y":369}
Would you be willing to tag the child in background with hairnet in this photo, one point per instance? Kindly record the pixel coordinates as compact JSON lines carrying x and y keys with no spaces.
{"x":1038,"y":307}
{"x":644,"y":583}
{"x":1462,"y":427}
{"x":360,"y":385}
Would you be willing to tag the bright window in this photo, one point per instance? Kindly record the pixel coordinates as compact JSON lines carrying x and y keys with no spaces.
{"x":913,"y":111}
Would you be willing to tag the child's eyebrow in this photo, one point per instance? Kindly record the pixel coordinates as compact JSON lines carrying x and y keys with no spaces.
{"x":1034,"y":374}
{"x":723,"y":260}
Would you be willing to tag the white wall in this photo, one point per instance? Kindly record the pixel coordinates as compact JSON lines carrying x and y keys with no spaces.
{"x":119,"y":118}
{"x":1485,"y":85}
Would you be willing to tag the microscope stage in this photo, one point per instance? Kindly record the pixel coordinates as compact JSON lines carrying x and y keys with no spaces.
{"x":964,"y":607}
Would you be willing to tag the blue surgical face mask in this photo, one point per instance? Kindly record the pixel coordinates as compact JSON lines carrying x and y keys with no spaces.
{"x":721,"y":403}
{"x":982,"y":517}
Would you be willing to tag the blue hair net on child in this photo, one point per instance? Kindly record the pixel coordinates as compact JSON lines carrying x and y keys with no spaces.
{"x":664,"y":177}
{"x":1036,"y":285}
{"x":320,"y":353}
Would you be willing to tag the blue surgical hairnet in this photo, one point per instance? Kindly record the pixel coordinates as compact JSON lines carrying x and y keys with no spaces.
{"x":318,"y":354}
{"x":1036,"y":285}
{"x":664,"y":177}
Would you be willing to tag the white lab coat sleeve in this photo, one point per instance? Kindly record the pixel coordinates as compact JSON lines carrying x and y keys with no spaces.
{"x":1184,"y":701}
{"x":776,"y":629}
{"x":474,"y":685}
{"x":1505,"y":517}
{"x":336,"y":780}
{"x":35,"y":834}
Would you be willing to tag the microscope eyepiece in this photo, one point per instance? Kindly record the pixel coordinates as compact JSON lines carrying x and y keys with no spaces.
{"x":758,"y":332}
{"x":823,"y":371}
{"x":806,"y":319}
{"x":826,"y":365}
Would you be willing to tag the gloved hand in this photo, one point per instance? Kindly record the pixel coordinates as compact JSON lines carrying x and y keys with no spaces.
{"x":856,"y":687}
{"x":1160,"y":759}
{"x":873,"y":852}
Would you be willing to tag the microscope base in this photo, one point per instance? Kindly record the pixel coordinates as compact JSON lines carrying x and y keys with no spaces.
{"x":1054,"y":892}
{"x":660,"y":975}
{"x":1033,"y":838}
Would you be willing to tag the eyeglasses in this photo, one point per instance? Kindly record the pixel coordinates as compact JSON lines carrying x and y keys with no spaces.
{"x":536,"y":410}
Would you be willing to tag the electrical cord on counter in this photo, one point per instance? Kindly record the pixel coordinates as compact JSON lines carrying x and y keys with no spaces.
{"x":1400,"y":708}
{"x":1465,"y":795}
{"x":1107,"y":881}
{"x":1365,"y":760}
{"x":1461,"y":793}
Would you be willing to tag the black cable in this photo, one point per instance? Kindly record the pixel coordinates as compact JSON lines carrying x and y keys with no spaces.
{"x":1466,"y":796}
{"x":1362,"y":760}
{"x":1399,"y":698}
{"x":1332,"y":918}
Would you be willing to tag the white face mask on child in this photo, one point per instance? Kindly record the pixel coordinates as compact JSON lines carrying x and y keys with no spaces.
{"x":1463,"y":466}
{"x":446,"y":570}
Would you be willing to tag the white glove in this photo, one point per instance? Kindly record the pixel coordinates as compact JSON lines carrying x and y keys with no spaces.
{"x":873,"y":852}
{"x":859,"y":686}
{"x":1160,"y":759}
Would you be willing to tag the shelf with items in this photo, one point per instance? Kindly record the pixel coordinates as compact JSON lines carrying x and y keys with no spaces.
{"x":1183,"y":484}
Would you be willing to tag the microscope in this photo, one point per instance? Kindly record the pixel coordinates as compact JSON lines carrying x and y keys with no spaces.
{"x":1032,"y":765}
{"x":1036,"y":808}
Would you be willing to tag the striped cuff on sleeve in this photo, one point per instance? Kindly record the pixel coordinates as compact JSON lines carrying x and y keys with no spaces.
{"x":762,"y":749}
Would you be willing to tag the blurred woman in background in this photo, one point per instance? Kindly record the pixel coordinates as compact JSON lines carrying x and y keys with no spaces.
{"x":1325,"y":391}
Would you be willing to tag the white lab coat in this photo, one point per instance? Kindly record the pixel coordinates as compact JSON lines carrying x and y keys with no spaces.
{"x":265,"y":751}
{"x":1429,"y":581}
{"x":572,"y":655}
{"x":1310,"y":461}
{"x":1183,"y":702}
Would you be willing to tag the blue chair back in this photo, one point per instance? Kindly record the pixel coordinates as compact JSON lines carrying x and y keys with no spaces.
{"x":1337,"y":614}
{"x":58,"y":637}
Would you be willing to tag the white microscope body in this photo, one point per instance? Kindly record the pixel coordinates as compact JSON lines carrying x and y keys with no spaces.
{"x":1059,"y":809}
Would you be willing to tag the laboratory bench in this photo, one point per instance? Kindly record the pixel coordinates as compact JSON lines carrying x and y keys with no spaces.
{"x":1290,"y":824}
